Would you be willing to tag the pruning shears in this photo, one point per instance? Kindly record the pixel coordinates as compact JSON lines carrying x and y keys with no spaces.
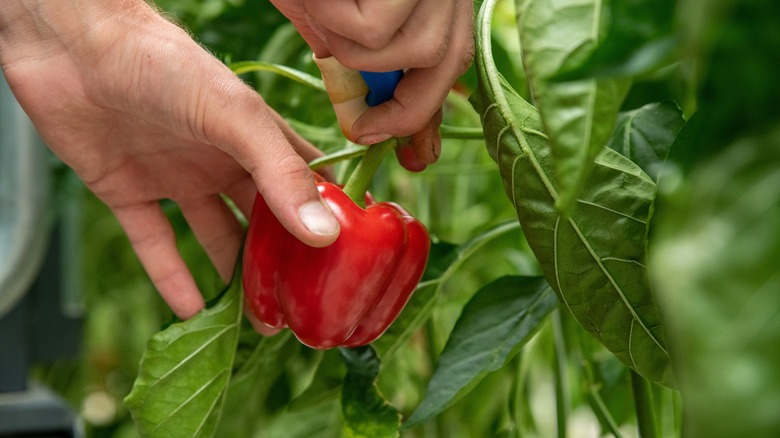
{"x":381,"y":85}
{"x":352,"y":92}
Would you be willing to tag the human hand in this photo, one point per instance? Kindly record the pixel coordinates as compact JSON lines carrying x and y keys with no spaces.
{"x":431,"y":39}
{"x":142,"y":113}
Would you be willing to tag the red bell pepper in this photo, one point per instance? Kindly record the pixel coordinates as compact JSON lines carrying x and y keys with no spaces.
{"x":346,"y":294}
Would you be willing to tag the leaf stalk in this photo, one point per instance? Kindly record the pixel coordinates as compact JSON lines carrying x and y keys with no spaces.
{"x":561,"y":384}
{"x":643,"y":401}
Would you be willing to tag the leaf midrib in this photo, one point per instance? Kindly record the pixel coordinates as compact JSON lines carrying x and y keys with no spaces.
{"x":189,"y":400}
{"x":501,"y":105}
{"x":195,"y":352}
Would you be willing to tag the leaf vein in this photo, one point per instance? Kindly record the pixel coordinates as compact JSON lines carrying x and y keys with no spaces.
{"x":604,"y":207}
{"x":193,"y":354}
{"x":188,"y":400}
{"x":618,"y":259}
{"x":213,"y":406}
{"x":617,"y":287}
{"x":498,"y":140}
{"x":630,"y":338}
{"x":520,"y":320}
{"x":532,"y":131}
{"x":555,"y":264}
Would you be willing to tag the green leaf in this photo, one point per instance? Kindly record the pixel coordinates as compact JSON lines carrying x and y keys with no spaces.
{"x":444,"y":261}
{"x":499,"y":319}
{"x":646,"y":134}
{"x":364,"y":411}
{"x":640,"y":38}
{"x":716,"y":265}
{"x":324,"y":385}
{"x":180,"y":388}
{"x":578,"y":115}
{"x":509,"y":63}
{"x":282,"y":70}
{"x":441,"y":256}
{"x":595,"y":258}
{"x":250,"y":386}
{"x":414,"y":315}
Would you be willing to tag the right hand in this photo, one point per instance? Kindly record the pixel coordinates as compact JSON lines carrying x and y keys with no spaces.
{"x":142,"y":113}
{"x":431,"y":39}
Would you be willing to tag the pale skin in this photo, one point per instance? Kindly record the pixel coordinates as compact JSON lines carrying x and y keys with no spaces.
{"x":142,"y":113}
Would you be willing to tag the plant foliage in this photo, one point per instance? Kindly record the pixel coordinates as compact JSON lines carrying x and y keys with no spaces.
{"x":604,"y":218}
{"x":599,"y":278}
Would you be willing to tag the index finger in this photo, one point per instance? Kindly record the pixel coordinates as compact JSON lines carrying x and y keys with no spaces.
{"x":371,"y":23}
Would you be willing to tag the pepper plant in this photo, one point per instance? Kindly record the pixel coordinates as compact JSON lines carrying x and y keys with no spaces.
{"x":605,"y":228}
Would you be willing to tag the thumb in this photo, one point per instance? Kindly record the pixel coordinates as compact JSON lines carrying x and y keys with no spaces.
{"x":246,"y":129}
{"x":289,"y":189}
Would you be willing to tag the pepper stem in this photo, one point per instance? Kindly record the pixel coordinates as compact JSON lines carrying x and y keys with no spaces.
{"x":361,"y":177}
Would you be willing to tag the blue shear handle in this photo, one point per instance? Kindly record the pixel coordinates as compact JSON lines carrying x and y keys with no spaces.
{"x":381,"y":85}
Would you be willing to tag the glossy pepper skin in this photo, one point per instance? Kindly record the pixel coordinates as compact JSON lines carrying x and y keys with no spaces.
{"x":346,"y":294}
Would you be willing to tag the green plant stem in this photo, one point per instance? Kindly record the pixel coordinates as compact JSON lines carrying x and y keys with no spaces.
{"x":341,"y":155}
{"x":601,"y":411}
{"x":440,"y":424}
{"x":597,"y":403}
{"x":354,"y":151}
{"x":521,"y":414}
{"x":645,"y":415}
{"x":561,"y":385}
{"x":677,"y":413}
{"x":591,"y":387}
{"x":461,"y":132}
{"x":361,"y":177}
{"x":282,"y":70}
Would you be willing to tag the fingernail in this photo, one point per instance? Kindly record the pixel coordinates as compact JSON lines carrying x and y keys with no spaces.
{"x":318,"y":219}
{"x":373,"y":138}
{"x":436,"y":149}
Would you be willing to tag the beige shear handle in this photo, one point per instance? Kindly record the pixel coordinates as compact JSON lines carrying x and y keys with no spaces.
{"x":346,"y":89}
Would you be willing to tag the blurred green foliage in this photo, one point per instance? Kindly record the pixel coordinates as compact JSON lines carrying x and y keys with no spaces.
{"x":721,"y":70}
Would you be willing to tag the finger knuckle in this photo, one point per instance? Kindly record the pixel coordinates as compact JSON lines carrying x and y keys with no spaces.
{"x":288,"y":169}
{"x":293,"y":166}
{"x":228,"y":99}
{"x":432,"y":52}
{"x":376,"y":39}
